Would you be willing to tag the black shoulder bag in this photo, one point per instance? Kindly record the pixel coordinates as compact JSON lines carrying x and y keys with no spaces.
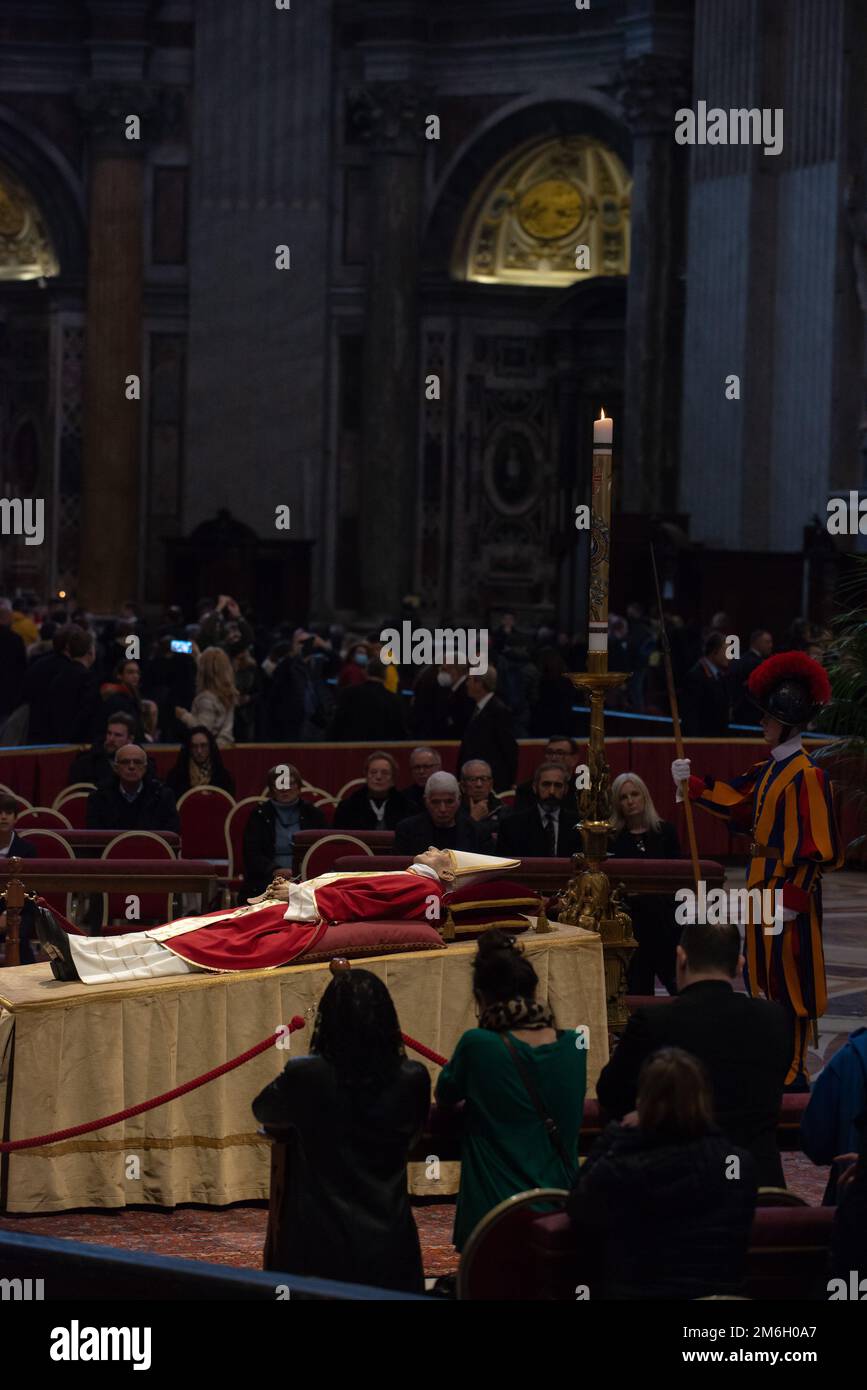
{"x":548,"y":1121}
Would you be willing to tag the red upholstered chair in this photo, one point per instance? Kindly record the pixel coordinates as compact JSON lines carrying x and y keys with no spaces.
{"x":495,"y":1262}
{"x":42,"y":818}
{"x":73,"y":803}
{"x":153,"y":907}
{"x":236,"y":824}
{"x":321,"y":857}
{"x":203,"y":813}
{"x":49,"y":844}
{"x":788,"y":1254}
{"x":23,"y":803}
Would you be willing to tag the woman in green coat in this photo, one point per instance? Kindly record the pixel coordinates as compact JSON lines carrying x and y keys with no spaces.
{"x":509,"y":1070}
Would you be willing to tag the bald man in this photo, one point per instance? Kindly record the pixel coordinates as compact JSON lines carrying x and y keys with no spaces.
{"x":443,"y":823}
{"x":134,"y":799}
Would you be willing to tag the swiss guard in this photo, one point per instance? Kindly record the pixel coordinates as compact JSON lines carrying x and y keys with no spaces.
{"x":786,"y":801}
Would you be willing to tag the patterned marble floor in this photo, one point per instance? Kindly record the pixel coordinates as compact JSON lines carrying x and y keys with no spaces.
{"x":234,"y":1235}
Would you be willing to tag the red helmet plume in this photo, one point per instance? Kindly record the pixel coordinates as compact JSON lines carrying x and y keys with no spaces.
{"x":790,"y":666}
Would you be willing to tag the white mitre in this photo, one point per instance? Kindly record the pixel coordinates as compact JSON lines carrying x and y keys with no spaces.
{"x":468,"y":865}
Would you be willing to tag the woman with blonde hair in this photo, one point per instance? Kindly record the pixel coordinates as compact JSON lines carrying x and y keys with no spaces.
{"x":670,"y":1195}
{"x":216,"y":697}
{"x":640,"y":833}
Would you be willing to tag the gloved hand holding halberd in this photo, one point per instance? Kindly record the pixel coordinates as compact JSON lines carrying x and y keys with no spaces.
{"x":680,"y":773}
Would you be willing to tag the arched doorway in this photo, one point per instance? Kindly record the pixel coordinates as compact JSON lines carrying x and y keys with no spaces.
{"x":523,"y":305}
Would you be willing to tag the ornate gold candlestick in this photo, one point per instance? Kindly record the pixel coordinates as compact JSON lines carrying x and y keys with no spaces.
{"x":589,"y":901}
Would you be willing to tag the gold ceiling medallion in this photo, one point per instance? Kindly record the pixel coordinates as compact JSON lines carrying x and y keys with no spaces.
{"x":548,"y":214}
{"x":26,"y":252}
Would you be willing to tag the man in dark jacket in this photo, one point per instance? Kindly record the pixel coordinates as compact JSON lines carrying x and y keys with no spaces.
{"x":271,"y":829}
{"x":377,"y":805}
{"x":96,"y":764}
{"x":488,"y":735}
{"x":133,"y":800}
{"x":443,"y":823}
{"x":13,"y":662}
{"x":548,"y":831}
{"x":368,"y":713}
{"x":761,"y":647}
{"x":744,"y":1043}
{"x":566,"y":751}
{"x":705,"y":700}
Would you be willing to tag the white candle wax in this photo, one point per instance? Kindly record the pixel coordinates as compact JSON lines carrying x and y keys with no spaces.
{"x":603,"y":430}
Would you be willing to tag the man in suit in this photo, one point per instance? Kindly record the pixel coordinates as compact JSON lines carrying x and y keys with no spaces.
{"x":706,"y":699}
{"x":761,"y":647}
{"x":566,"y":751}
{"x":745,"y":1045}
{"x":368,"y":713}
{"x":134,"y":799}
{"x":548,"y":829}
{"x":488,"y":735}
{"x":422,"y":762}
{"x":443,"y":823}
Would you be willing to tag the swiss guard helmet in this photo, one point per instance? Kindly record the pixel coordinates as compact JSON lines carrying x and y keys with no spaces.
{"x":790,"y":687}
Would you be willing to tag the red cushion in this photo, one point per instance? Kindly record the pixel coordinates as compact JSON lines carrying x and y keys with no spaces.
{"x":496,"y":902}
{"x":357,"y":939}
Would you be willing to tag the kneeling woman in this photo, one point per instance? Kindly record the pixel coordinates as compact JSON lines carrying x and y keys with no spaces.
{"x":515,"y":1071}
{"x":349,"y":1113}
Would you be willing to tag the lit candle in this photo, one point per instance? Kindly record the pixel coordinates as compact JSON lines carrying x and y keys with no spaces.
{"x":603,"y":430}
{"x":600,"y":541}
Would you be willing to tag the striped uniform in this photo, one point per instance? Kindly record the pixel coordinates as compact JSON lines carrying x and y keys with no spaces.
{"x":788,"y":805}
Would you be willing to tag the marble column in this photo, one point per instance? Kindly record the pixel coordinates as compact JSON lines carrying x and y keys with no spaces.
{"x":108,"y":572}
{"x":390,"y":116}
{"x":652,"y":87}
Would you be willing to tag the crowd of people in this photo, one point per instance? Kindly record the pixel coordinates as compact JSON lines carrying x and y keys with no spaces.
{"x":63,"y":673}
{"x":664,"y":1202}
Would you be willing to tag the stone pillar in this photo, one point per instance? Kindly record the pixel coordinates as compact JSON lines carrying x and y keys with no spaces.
{"x":390,"y":115}
{"x":653,"y":86}
{"x":108,"y":572}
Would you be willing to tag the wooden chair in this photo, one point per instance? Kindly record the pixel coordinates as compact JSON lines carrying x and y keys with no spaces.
{"x":51,"y":845}
{"x":495,"y":1263}
{"x":236,"y":824}
{"x":203,"y":812}
{"x":73,"y":803}
{"x":779,"y":1197}
{"x":42,"y":818}
{"x":155,"y":907}
{"x":23,"y":803}
{"x":321,"y":857}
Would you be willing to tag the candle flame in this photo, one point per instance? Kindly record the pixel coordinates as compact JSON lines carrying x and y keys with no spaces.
{"x":602,"y":415}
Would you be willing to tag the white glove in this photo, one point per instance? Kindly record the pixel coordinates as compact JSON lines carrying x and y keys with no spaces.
{"x":680,"y":773}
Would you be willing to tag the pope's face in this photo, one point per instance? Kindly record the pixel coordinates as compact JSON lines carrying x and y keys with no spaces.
{"x":437,"y":859}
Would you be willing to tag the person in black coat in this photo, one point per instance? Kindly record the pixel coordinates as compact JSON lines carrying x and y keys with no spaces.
{"x":443,"y":823}
{"x":548,"y":831}
{"x":641,"y":833}
{"x":96,"y":764}
{"x":744,"y":1043}
{"x":488,"y":735}
{"x":422,"y":762}
{"x":61,"y":690}
{"x":270,"y":832}
{"x":368,"y":713}
{"x":199,"y":764}
{"x":668,"y":1196}
{"x":761,"y":647}
{"x":13,"y":662}
{"x":133,"y":800}
{"x":349,"y":1114}
{"x":705,"y":698}
{"x":566,"y":751}
{"x":377,"y":805}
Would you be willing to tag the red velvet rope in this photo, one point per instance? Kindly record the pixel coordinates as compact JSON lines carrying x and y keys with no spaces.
{"x":425,"y":1051}
{"x":9,"y":1146}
